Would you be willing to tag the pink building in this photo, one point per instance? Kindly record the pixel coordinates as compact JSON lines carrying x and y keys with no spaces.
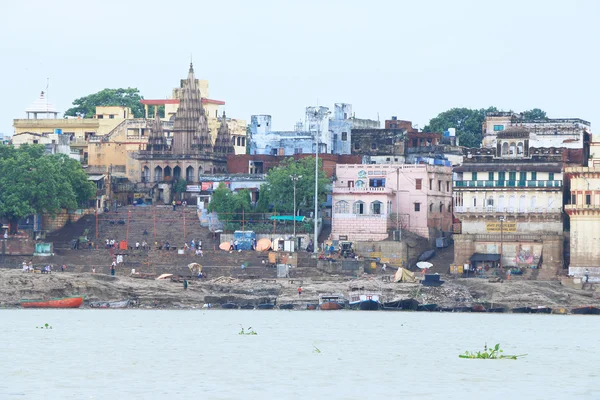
{"x":371,"y":200}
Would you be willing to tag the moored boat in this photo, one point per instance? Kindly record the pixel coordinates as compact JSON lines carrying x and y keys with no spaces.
{"x":561,"y":310}
{"x":229,"y":306}
{"x":403,"y":304}
{"x":110,"y":304}
{"x":312,"y":306}
{"x":462,"y":309}
{"x":265,"y":306}
{"x":541,"y":310}
{"x":427,"y":307}
{"x":365,"y":301}
{"x":496,"y":309}
{"x":331,"y":302}
{"x":589,"y":310}
{"x":247,"y":307}
{"x":478,"y":308}
{"x":62,"y":302}
{"x":522,"y":310}
{"x":288,"y":306}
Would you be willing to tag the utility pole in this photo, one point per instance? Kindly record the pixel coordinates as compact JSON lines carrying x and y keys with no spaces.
{"x":501,"y":239}
{"x":318,"y":117}
{"x":295,"y":178}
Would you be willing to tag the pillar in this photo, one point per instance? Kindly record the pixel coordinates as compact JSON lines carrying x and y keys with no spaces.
{"x":146,"y":109}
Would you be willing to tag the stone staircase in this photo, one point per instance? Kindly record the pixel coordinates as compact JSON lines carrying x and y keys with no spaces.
{"x":442,"y":260}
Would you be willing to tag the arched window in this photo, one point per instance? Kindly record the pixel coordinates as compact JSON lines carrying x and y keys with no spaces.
{"x":167,"y":173}
{"x":342,"y":207}
{"x":189,"y":174}
{"x":158,"y":174}
{"x":520,"y":148}
{"x":358,"y":208}
{"x":532,"y":203}
{"x":376,"y":208}
{"x":501,"y":203}
{"x":177,"y":172}
{"x":431,"y":207}
{"x":450,"y":207}
{"x":146,"y":174}
{"x":513,"y":149}
{"x":505,"y":148}
{"x":441,"y":207}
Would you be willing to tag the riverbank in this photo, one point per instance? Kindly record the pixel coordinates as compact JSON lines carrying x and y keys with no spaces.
{"x":16,"y":285}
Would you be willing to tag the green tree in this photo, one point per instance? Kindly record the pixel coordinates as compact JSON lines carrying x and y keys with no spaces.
{"x":228,"y":205}
{"x":467,"y":122}
{"x":534,"y":115}
{"x":33,"y":182}
{"x":86,"y":106}
{"x":276,"y":194}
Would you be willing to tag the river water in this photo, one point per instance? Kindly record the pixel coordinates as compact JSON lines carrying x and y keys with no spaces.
{"x":151,"y":354}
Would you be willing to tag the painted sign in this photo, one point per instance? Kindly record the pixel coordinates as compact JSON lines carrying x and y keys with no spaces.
{"x":359,"y":184}
{"x":362,"y":174}
{"x":193,"y":188}
{"x":207,"y":185}
{"x":498,"y":227}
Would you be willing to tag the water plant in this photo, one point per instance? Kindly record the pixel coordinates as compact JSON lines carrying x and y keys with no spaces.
{"x":248,"y":331}
{"x":45,"y":326}
{"x":494,"y":353}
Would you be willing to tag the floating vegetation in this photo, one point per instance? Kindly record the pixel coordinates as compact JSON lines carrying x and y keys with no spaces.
{"x":45,"y":326}
{"x":494,"y":353}
{"x":316,"y":350}
{"x":248,"y":331}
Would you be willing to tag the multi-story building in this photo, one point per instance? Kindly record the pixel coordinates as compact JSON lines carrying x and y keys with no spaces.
{"x":369,"y":201}
{"x":569,"y":133}
{"x":583,"y":209}
{"x":510,"y":205}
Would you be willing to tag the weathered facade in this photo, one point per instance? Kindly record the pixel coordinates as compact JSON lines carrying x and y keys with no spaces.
{"x":510,"y":206}
{"x":583,"y":209}
{"x":369,"y":201}
{"x":379,"y":146}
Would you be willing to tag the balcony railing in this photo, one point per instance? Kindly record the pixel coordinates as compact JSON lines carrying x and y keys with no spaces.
{"x":509,"y":183}
{"x":507,"y":210}
{"x":364,"y":189}
{"x":582,"y":206}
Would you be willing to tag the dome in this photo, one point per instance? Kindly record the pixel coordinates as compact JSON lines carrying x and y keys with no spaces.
{"x":41,"y":105}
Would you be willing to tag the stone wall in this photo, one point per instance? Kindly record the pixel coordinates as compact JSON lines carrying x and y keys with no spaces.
{"x":52,"y":223}
{"x":17,"y":246}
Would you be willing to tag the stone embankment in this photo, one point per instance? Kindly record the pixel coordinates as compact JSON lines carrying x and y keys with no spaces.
{"x":15,"y":285}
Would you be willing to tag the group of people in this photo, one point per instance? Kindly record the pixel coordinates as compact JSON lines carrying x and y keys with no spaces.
{"x":111,"y":243}
{"x":195,"y":246}
{"x":234,"y":245}
{"x":143,"y":245}
{"x":28,"y":267}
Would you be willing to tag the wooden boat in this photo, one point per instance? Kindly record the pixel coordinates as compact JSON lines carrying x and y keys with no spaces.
{"x":288,"y":306}
{"x":312,"y":306}
{"x":247,"y":307}
{"x":589,"y":310}
{"x":446,"y":309}
{"x":365,"y":301}
{"x":522,"y":310}
{"x":109,"y":304}
{"x":560,"y":311}
{"x":403,"y":304}
{"x":265,"y":306}
{"x":541,"y":310}
{"x":432,"y":280}
{"x":427,"y":307}
{"x":331,"y":302}
{"x":478,"y":308}
{"x":496,"y":309}
{"x":462,"y":309}
{"x":62,"y":302}
{"x":229,"y":306}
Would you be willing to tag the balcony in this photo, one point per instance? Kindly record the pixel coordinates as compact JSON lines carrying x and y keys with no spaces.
{"x":582,"y":207}
{"x":507,"y":210}
{"x":509,"y":183}
{"x":362,"y":190}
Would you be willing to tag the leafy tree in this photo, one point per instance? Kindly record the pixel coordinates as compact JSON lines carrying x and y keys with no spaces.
{"x":229,"y":205}
{"x":33,"y":182}
{"x":277,"y":192}
{"x":180,"y":185}
{"x":86,"y":106}
{"x":534,"y":115}
{"x":468,"y":124}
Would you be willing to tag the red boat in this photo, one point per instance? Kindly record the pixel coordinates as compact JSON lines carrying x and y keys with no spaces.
{"x":331,"y":302}
{"x":63,"y":302}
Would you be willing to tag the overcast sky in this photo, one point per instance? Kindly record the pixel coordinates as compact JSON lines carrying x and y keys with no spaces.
{"x":412,"y":59}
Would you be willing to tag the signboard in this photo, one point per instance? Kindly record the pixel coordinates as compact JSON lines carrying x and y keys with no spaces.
{"x":207,"y":185}
{"x":498,"y":227}
{"x":343,"y":237}
{"x":193,"y":188}
{"x":362,"y":174}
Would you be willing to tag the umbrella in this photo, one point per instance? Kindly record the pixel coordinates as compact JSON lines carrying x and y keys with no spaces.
{"x":263,"y":244}
{"x":225,"y":246}
{"x":195,"y":267}
{"x":424,"y":265}
{"x":164,"y":276}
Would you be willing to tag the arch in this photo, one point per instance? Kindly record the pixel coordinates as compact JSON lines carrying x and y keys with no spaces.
{"x":532,"y":203}
{"x":511,"y":202}
{"x":376,"y":207}
{"x":513,"y":149}
{"x":501,"y":203}
{"x":177,"y":172}
{"x":431,"y":207}
{"x":167,"y":173}
{"x":522,"y":203}
{"x":158,"y":174}
{"x":520,"y":148}
{"x":199,"y":172}
{"x":189,"y":174}
{"x":214,"y":170}
{"x":358,"y":207}
{"x":146,"y":174}
{"x":450,"y":207}
{"x":342,"y":207}
{"x":505,"y":148}
{"x":441,"y":207}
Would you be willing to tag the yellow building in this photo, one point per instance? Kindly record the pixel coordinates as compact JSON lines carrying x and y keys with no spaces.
{"x":583,"y":209}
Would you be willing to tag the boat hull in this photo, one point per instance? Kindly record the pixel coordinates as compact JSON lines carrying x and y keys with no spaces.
{"x":109,"y":304}
{"x":265,"y":306}
{"x":542,"y":310}
{"x":64,"y":302}
{"x":405,"y":304}
{"x":331,"y":305}
{"x":229,"y":306}
{"x":522,"y":310}
{"x":286,"y":306}
{"x":586,"y":310}
{"x":312,"y":306}
{"x":367,"y":305}
{"x":496,"y":310}
{"x":247,"y":307}
{"x":427,"y":307}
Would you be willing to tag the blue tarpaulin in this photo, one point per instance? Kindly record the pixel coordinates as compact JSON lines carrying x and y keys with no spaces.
{"x":286,"y":218}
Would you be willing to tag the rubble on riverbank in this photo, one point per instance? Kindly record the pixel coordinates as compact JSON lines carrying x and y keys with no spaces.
{"x":16,"y":285}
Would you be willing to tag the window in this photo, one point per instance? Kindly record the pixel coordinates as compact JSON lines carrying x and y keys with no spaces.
{"x":350,"y":184}
{"x":358,"y":208}
{"x":473,"y":176}
{"x":588,"y":199}
{"x":490,"y":176}
{"x":100,"y":116}
{"x":344,"y":136}
{"x":431,"y":207}
{"x":431,"y":184}
{"x":512,"y":176}
{"x":573,"y":199}
{"x":376,"y":207}
{"x":551,"y":176}
{"x":534,"y":176}
{"x":441,"y":207}
{"x":439,"y":186}
{"x":523,"y":176}
{"x":373,"y":146}
{"x":417,"y":207}
{"x":111,"y":116}
{"x":501,"y":176}
{"x":376,"y":182}
{"x":298,"y":150}
{"x":498,"y":128}
{"x":474,"y":201}
{"x":490,"y":202}
{"x":356,"y":146}
{"x":520,"y":148}
{"x":418,"y":183}
{"x":35,"y":141}
{"x":447,"y":186}
{"x":342,"y":207}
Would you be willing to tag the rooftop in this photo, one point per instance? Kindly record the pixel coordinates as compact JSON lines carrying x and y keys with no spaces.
{"x":41,"y":105}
